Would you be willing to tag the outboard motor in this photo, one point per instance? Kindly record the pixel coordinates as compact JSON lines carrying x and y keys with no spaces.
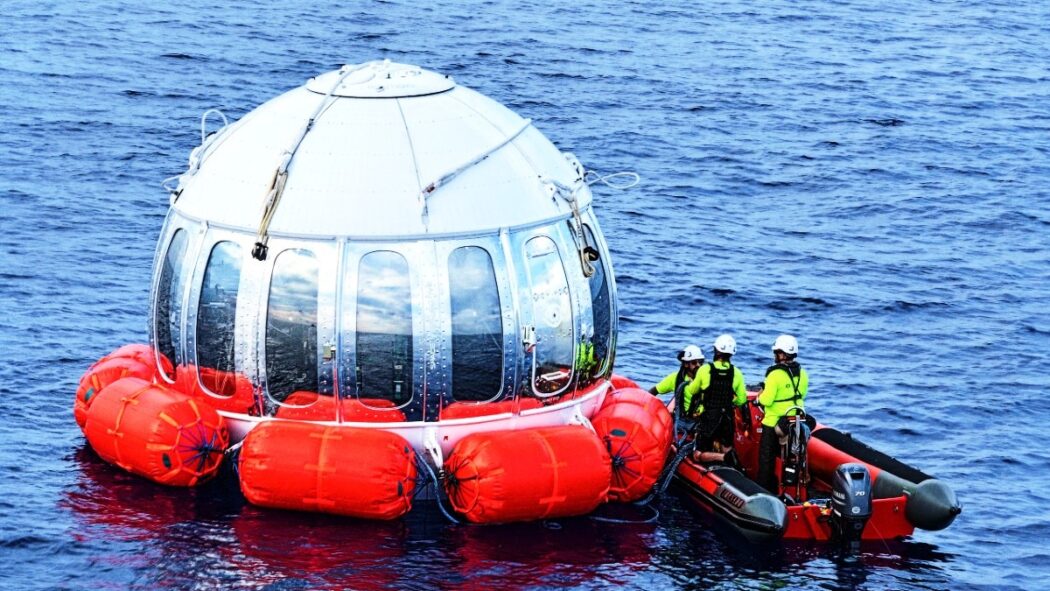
{"x":850,"y":503}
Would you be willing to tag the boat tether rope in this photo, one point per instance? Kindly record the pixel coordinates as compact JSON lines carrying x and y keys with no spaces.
{"x":198,"y":154}
{"x":280,"y":175}
{"x":446,"y":178}
{"x":591,"y":177}
{"x":425,"y":477}
{"x":588,"y":253}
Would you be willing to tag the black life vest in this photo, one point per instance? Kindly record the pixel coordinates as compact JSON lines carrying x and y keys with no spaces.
{"x":717,"y":398}
{"x":794,"y":372}
{"x":719,"y":393}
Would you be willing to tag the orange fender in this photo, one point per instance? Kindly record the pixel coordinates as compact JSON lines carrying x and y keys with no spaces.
{"x":525,"y":475}
{"x":156,"y":432}
{"x":637,"y":430}
{"x":366,"y":473}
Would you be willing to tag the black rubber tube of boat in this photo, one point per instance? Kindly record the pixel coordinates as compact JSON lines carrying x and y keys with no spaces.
{"x":932,"y":504}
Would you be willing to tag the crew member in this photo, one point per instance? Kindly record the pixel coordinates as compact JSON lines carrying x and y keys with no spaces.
{"x":785,"y":388}
{"x":690,"y":357}
{"x":716,"y":391}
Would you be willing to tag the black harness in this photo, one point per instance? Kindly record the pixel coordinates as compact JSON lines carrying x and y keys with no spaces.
{"x":793,"y":370}
{"x":679,"y":387}
{"x":680,"y":378}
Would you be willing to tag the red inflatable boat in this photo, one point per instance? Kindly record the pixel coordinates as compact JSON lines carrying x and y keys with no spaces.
{"x":836,"y":489}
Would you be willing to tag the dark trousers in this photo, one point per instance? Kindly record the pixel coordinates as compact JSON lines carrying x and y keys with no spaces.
{"x":768,"y":450}
{"x":712,"y":430}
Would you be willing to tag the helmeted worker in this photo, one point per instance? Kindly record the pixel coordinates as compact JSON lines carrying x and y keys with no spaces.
{"x":785,"y":387}
{"x":717,"y":389}
{"x":690,"y":357}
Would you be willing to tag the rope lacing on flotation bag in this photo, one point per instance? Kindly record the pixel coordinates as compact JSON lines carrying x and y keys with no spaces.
{"x":620,"y":471}
{"x":280,"y":176}
{"x":620,"y":459}
{"x":203,"y":446}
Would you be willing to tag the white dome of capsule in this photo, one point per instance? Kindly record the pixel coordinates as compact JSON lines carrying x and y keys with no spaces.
{"x":382,"y":245}
{"x":383,"y":134}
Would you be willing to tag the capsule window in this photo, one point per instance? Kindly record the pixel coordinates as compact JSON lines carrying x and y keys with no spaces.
{"x":594,"y":357}
{"x":551,"y":316}
{"x":477,"y":327}
{"x":168,"y":318}
{"x":216,"y":315}
{"x":291,"y":325}
{"x":384,"y":328}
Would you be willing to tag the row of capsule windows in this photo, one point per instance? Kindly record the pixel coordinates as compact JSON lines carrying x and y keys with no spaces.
{"x":365,"y":336}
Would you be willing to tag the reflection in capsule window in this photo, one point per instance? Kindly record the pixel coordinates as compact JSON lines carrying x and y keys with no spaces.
{"x":169,"y":301}
{"x":291,"y":325}
{"x":477,"y":328}
{"x":216,"y":313}
{"x":552,"y":316}
{"x":594,"y":355}
{"x":384,"y":328}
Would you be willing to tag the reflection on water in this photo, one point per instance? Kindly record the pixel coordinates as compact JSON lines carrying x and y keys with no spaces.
{"x":167,"y":538}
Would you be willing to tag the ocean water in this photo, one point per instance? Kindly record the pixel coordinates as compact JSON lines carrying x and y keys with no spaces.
{"x":873,"y":177}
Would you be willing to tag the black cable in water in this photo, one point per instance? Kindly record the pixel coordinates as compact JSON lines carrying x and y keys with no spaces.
{"x":423,"y":466}
{"x":653,"y":519}
{"x":664,"y":480}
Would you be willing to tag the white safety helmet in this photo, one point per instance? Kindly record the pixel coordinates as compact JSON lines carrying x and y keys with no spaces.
{"x":691,"y":353}
{"x":725,"y":344}
{"x":787,"y":344}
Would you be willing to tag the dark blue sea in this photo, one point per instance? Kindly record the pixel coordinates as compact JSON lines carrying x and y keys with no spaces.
{"x":871,"y":176}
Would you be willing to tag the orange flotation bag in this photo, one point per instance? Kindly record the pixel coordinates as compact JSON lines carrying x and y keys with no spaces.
{"x":156,"y":432}
{"x":621,"y":382}
{"x":142,"y":353}
{"x":311,"y":406}
{"x":637,"y":430}
{"x":366,"y":473}
{"x":103,"y":373}
{"x":226,"y":390}
{"x":466,"y":410}
{"x":530,"y":474}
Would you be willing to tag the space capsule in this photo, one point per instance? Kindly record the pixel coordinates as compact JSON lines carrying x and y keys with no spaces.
{"x":382,"y":246}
